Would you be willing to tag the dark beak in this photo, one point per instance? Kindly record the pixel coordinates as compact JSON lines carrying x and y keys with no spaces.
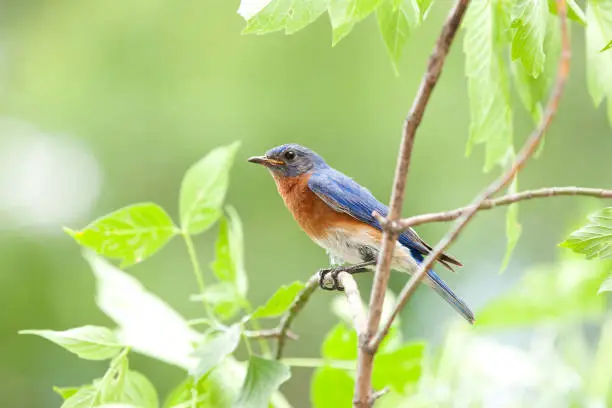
{"x":263,"y":160}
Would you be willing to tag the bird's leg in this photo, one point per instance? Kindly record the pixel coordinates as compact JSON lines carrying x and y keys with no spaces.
{"x":334,"y":271}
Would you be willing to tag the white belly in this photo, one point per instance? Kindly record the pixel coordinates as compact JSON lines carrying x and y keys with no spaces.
{"x":345,"y":248}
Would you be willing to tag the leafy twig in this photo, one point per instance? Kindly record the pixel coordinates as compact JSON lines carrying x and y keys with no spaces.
{"x":295,"y":308}
{"x":363,"y":387}
{"x":489,"y":204}
{"x":526,"y":152}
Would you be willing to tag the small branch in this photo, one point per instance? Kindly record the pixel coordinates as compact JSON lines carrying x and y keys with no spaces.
{"x":526,"y":152}
{"x":378,"y":394}
{"x":363,"y":384}
{"x":354,"y":301}
{"x":269,"y":334}
{"x":489,"y":204}
{"x":296,"y":307}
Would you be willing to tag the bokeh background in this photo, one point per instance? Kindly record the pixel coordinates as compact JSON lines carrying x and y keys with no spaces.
{"x":104,"y":104}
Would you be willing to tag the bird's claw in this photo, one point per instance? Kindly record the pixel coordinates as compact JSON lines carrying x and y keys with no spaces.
{"x":325,"y":275}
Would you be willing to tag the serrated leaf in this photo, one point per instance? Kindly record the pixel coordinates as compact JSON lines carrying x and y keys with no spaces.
{"x":147,"y":324}
{"x":87,"y":342}
{"x":211,"y":352}
{"x":340,"y":343}
{"x":229,"y":253}
{"x":595,"y":238}
{"x":607,"y":47}
{"x":280,"y":302}
{"x":204,"y":187}
{"x":263,"y":378}
{"x":396,"y":24}
{"x":574,"y":11}
{"x":85,"y":397}
{"x":489,"y":94}
{"x":570,"y":289}
{"x":340,"y":18}
{"x":331,"y":388}
{"x":528,"y":39}
{"x":513,"y":227}
{"x":599,"y":64}
{"x":398,"y":368}
{"x":130,"y":234}
{"x":288,"y":15}
{"x":65,"y":392}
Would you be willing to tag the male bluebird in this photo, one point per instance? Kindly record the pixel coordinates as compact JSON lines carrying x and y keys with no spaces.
{"x":336,"y":213}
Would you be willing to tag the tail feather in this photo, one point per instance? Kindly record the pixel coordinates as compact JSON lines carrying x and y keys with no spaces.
{"x":447,"y":294}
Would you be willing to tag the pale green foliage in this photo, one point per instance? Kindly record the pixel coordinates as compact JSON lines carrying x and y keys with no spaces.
{"x":595,"y":238}
{"x":559,"y":293}
{"x":288,"y":15}
{"x":489,"y":94}
{"x":398,"y":368}
{"x":339,"y":394}
{"x":65,"y":392}
{"x":203,"y":189}
{"x":130,"y":234}
{"x":263,"y":378}
{"x":513,"y":227}
{"x":599,"y":64}
{"x":212,"y":351}
{"x":340,"y":343}
{"x":396,"y":22}
{"x":574,"y":11}
{"x":528,"y":40}
{"x":280,"y":301}
{"x":607,"y":47}
{"x":88,"y":342}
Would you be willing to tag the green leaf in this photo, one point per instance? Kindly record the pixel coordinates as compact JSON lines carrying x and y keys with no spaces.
{"x":204,"y":187}
{"x":561,"y":293}
{"x":147,"y":324}
{"x":229,"y":262}
{"x":528,"y":39}
{"x":288,"y":15}
{"x":360,"y":9}
{"x":398,"y":368}
{"x":65,"y":392}
{"x":331,"y":388}
{"x":513,"y":227}
{"x":223,"y":297}
{"x":130,"y":234}
{"x":574,"y":11}
{"x":87,"y":342}
{"x":599,"y":64}
{"x":607,"y":47}
{"x":595,"y":238}
{"x":280,"y":302}
{"x":218,"y":389}
{"x":211,"y":352}
{"x":340,"y":343}
{"x":488,"y":89}
{"x":263,"y":378}
{"x":340,"y":18}
{"x":139,"y":391}
{"x":85,"y":397}
{"x":396,"y":24}
{"x":606,"y":286}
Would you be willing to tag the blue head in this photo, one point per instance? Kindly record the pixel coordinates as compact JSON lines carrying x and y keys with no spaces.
{"x":290,"y":160}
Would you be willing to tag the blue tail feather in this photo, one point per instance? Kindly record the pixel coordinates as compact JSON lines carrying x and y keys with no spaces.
{"x":447,"y":294}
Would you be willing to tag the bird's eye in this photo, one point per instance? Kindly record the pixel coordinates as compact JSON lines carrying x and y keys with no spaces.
{"x":289,"y":155}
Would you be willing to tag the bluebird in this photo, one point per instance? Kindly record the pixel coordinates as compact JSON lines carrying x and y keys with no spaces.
{"x":336,"y":213}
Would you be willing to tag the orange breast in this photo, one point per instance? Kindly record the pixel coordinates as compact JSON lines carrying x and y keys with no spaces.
{"x":311,"y":213}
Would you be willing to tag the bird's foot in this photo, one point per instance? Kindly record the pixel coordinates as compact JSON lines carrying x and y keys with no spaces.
{"x":328,"y":278}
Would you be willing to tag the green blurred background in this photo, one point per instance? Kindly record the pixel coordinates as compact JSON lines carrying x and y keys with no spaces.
{"x":107,"y":103}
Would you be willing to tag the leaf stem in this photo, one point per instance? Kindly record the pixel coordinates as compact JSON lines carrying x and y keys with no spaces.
{"x":196,"y":270}
{"x":319,"y":362}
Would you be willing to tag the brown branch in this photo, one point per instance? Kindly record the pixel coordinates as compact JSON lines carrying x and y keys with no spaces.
{"x":296,"y":307}
{"x":353,"y":298}
{"x":489,"y":204}
{"x":269,"y":334}
{"x":526,"y":152}
{"x":363,"y":384}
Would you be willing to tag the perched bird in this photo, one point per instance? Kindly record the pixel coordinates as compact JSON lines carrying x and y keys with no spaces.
{"x":336,"y":213}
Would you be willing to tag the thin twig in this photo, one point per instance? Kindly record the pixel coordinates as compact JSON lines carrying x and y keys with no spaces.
{"x":489,"y":204}
{"x":526,"y":152}
{"x":380,"y":393}
{"x":269,"y":334}
{"x":353,"y":298}
{"x":363,"y":385}
{"x":295,"y":308}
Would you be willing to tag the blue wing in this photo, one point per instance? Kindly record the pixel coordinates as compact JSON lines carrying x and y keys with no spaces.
{"x":343,"y":194}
